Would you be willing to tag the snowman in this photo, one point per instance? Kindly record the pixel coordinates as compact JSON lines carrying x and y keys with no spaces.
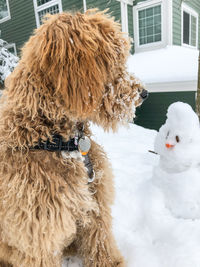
{"x":178,"y":173}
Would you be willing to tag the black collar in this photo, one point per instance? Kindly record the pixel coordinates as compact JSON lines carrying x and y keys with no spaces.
{"x":57,"y":144}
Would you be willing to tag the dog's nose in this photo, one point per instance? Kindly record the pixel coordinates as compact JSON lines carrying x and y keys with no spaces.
{"x":144,"y":94}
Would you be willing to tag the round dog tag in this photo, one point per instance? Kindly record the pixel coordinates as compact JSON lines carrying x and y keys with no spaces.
{"x":84,"y":145}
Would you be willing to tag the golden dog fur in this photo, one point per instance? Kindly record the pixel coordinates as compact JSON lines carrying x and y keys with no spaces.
{"x":72,"y":70}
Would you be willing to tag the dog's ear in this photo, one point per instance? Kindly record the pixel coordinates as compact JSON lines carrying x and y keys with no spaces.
{"x":78,"y":53}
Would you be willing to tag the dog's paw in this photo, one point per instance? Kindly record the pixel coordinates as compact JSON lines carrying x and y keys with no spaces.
{"x":72,"y":262}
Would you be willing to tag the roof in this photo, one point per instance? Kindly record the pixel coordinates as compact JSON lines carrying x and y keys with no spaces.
{"x":170,"y":64}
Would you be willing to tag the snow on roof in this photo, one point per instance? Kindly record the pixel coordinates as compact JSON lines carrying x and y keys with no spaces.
{"x":170,"y":64}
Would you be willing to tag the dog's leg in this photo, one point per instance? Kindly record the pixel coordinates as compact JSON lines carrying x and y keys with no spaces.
{"x":97,"y":245}
{"x":3,"y":264}
{"x":12,"y":257}
{"x":19,"y":259}
{"x":5,"y":253}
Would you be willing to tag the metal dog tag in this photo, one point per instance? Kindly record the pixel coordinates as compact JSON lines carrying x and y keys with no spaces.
{"x":84,"y":145}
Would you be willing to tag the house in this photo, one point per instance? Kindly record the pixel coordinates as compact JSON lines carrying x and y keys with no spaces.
{"x":166,"y":34}
{"x":165,"y":46}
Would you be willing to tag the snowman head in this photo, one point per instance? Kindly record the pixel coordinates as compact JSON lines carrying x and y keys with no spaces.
{"x":179,"y":137}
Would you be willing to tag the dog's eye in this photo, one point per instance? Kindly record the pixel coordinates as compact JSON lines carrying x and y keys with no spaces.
{"x":177,"y":139}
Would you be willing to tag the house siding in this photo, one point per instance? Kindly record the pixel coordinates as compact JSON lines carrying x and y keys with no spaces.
{"x":138,"y":1}
{"x":72,"y":5}
{"x":152,"y":113}
{"x":19,"y":28}
{"x":176,"y":16}
{"x":130,"y":21}
{"x":195,"y":4}
{"x":112,"y":5}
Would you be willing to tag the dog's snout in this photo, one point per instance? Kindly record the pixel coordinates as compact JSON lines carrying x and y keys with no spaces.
{"x":144,"y":94}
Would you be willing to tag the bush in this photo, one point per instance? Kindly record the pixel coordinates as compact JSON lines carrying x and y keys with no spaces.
{"x":8,"y":62}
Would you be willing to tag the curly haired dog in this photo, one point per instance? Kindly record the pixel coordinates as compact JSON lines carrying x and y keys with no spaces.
{"x":72,"y":71}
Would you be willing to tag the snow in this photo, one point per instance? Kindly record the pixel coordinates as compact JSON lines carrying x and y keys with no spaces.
{"x":148,"y":233}
{"x":8,"y":61}
{"x":169,"y":64}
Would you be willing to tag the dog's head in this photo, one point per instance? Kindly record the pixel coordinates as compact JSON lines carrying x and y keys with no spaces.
{"x":82,"y":59}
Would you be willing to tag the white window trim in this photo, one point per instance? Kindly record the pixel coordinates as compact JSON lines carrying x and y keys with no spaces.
{"x":84,"y":5}
{"x":9,"y":16}
{"x":13,"y":45}
{"x":44,"y":6}
{"x":124,"y":16}
{"x":192,"y":12}
{"x":166,"y":27}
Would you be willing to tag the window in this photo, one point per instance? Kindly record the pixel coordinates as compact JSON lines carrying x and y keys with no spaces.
{"x":124,"y":16}
{"x":150,"y":25}
{"x":43,"y":7}
{"x":4,"y":10}
{"x":189,"y":26}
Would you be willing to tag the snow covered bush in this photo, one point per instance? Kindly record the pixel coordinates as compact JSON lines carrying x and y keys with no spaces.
{"x":8,"y":61}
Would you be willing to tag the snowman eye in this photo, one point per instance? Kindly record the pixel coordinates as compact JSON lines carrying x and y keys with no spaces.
{"x":177,"y":139}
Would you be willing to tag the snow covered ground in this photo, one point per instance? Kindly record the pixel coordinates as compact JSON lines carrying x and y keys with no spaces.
{"x":147,"y":233}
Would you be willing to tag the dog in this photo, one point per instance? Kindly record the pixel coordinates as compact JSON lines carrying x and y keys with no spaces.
{"x":56,"y":184}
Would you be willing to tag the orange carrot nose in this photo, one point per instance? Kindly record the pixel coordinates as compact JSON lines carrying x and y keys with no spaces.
{"x":169,"y":146}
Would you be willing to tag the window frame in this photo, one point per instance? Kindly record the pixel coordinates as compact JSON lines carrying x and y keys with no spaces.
{"x":9,"y":16}
{"x":167,"y":24}
{"x":149,"y":4}
{"x":124,"y":16}
{"x":191,"y":12}
{"x":37,"y":8}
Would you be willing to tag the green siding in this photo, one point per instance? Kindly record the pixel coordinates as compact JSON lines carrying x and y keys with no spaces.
{"x":18,"y":29}
{"x":138,"y":1}
{"x":152,"y":113}
{"x":112,"y":5}
{"x":130,"y":21}
{"x":72,"y":5}
{"x":130,"y":26}
{"x":195,"y":4}
{"x":177,"y":22}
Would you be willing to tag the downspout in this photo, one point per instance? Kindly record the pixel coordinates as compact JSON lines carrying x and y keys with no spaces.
{"x":84,"y":5}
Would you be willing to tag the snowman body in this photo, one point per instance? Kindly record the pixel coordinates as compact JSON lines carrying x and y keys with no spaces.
{"x":181,"y":191}
{"x":178,"y":173}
